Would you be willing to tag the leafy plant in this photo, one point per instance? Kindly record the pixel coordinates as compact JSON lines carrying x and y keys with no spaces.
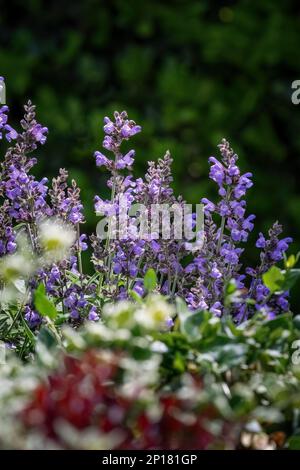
{"x":41,"y":268}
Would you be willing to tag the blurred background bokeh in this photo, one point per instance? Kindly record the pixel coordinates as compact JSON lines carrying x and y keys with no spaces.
{"x":190,"y":72}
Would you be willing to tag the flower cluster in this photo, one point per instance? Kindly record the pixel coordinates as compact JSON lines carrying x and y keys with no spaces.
{"x":219,"y":261}
{"x":46,"y":221}
{"x":26,"y":196}
{"x":203,"y":281}
{"x":115,"y":133}
{"x":272,"y":250}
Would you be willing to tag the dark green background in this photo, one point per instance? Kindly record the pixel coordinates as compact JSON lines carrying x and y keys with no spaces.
{"x":190,"y":72}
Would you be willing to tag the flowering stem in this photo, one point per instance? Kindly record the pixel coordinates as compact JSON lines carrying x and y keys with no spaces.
{"x":79,"y":251}
{"x":174,"y":284}
{"x":223,"y":221}
{"x":19,"y":312}
{"x":113,"y":191}
{"x":53,"y":328}
{"x":221,"y":234}
{"x":31,"y":237}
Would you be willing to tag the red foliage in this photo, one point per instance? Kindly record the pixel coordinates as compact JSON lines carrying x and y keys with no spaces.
{"x":84,"y":393}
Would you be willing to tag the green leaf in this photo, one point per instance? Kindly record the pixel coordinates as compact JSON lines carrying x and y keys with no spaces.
{"x":150,"y":280}
{"x":44,"y":306}
{"x":230,"y":355}
{"x":282,"y":321}
{"x":135,"y":296}
{"x":46,"y":337}
{"x":41,"y":289}
{"x":46,"y":347}
{"x":296,"y":322}
{"x":140,"y":353}
{"x":290,"y":278}
{"x":294,"y":443}
{"x":273,"y":279}
{"x":277,"y":280}
{"x":179,"y":362}
{"x":192,"y":325}
{"x":290,"y":261}
{"x":181,"y":309}
{"x":231,"y":287}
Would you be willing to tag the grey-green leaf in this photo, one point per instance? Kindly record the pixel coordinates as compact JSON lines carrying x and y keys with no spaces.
{"x":44,"y":306}
{"x":273,"y":279}
{"x":150,"y":280}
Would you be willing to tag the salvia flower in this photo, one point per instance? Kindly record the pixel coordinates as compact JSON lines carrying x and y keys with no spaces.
{"x":197,"y":267}
{"x":32,"y":317}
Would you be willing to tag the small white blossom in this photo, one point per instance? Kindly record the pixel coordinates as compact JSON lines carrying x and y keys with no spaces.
{"x":154,"y":313}
{"x":56,"y":238}
{"x":16,"y":266}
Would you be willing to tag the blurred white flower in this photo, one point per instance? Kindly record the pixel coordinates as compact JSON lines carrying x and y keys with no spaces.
{"x":56,"y":238}
{"x":119,"y":315}
{"x":11,"y":294}
{"x":154,"y":313}
{"x":15,"y":266}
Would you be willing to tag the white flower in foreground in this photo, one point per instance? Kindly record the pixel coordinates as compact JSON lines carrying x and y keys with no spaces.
{"x":14,"y":292}
{"x":154,"y":313}
{"x":56,"y":238}
{"x":119,"y":315}
{"x":16,"y":266}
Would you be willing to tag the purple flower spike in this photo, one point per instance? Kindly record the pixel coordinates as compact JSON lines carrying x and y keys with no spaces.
{"x":38,"y":132}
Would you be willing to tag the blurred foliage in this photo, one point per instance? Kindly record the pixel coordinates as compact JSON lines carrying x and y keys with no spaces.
{"x":189,"y":72}
{"x":248,"y":374}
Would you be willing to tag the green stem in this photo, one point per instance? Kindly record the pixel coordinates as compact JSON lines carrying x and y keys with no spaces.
{"x":172,"y":293}
{"x":221,"y":234}
{"x":108,"y":239}
{"x":79,"y":252}
{"x":31,"y":237}
{"x":18,"y":313}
